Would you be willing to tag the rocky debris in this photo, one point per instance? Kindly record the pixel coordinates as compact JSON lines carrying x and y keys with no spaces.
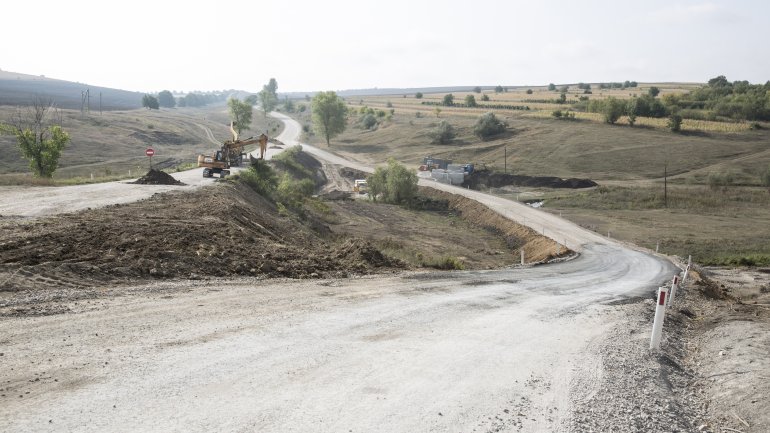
{"x":641,"y":390}
{"x":157,"y":177}
{"x":485,"y":178}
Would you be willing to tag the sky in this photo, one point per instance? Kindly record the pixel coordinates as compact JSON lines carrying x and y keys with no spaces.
{"x":309,"y":45}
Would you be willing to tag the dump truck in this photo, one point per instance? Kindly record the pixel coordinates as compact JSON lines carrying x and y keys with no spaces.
{"x":229,"y":155}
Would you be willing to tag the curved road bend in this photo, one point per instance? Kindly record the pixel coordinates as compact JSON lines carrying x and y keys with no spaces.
{"x":500,"y":350}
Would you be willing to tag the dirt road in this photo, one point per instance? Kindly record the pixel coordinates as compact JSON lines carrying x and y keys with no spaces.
{"x":492,"y":351}
{"x":510,"y":350}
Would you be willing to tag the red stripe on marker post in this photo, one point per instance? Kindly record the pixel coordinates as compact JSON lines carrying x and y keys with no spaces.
{"x":662,"y":298}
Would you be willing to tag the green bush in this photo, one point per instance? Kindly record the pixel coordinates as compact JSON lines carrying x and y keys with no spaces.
{"x":261,"y":178}
{"x":393,"y":184}
{"x":443,"y":133}
{"x":368,"y":121}
{"x":675,"y":122}
{"x":293,"y":192}
{"x":613,"y":109}
{"x":418,"y":95}
{"x":488,"y":125}
{"x":449,"y":100}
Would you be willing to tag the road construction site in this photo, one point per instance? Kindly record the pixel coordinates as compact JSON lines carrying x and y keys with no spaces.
{"x":111,"y":319}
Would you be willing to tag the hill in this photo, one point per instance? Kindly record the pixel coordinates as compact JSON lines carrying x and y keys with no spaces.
{"x":20,"y":89}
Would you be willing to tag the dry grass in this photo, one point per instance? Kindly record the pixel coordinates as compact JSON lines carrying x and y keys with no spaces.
{"x":107,"y":146}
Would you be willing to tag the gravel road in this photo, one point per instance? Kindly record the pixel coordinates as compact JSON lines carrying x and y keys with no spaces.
{"x":508,"y":350}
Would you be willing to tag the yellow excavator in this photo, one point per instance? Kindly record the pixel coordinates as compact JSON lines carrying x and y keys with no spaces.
{"x":229,"y":155}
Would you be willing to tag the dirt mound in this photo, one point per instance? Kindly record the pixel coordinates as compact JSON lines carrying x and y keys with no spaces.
{"x":352,"y":173}
{"x":336,"y":195}
{"x":175,"y":235}
{"x":485,"y":178}
{"x":157,"y":177}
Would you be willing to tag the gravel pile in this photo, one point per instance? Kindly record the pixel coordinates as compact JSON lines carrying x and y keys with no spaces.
{"x":642,"y":390}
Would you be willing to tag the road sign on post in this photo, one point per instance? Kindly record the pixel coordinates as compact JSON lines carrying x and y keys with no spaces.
{"x":150,"y":152}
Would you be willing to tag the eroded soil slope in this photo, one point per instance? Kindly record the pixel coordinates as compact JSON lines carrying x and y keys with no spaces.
{"x":220,"y":231}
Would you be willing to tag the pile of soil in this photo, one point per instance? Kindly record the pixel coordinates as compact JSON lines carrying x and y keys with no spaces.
{"x":157,"y":177}
{"x":177,"y":235}
{"x":488,"y":179}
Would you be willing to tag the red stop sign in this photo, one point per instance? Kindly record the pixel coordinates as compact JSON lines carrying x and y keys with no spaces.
{"x":150,"y":151}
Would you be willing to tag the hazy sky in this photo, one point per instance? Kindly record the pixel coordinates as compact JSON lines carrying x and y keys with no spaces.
{"x":332,"y":45}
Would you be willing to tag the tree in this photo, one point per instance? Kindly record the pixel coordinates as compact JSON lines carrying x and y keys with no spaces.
{"x":484,"y":97}
{"x":488,"y":125}
{"x":166,"y":99}
{"x":470,"y":100}
{"x":267,"y":100}
{"x":418,"y":95}
{"x":562,"y":98}
{"x":40,"y":141}
{"x":477,"y":89}
{"x":443,"y":134}
{"x":150,"y":102}
{"x":394,"y":184}
{"x":449,"y":100}
{"x":631,"y":111}
{"x":272,"y":87}
{"x":529,"y":91}
{"x":437,"y":110}
{"x":499,"y":89}
{"x":551,"y":86}
{"x":675,"y":122}
{"x":240,"y":113}
{"x":613,"y":109}
{"x":329,"y":115}
{"x":654,"y":91}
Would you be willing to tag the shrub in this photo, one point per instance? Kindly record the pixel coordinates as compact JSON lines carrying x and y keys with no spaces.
{"x":418,"y":114}
{"x":418,"y":95}
{"x":389,"y":104}
{"x":449,"y":100}
{"x":556,"y":114}
{"x":394,"y":184}
{"x":470,"y":101}
{"x":293,"y":192}
{"x":675,"y":122}
{"x":529,"y":91}
{"x":368,"y":121}
{"x":443,"y":133}
{"x":612,"y":110}
{"x":488,"y":125}
{"x":261,"y":178}
{"x":484,"y":97}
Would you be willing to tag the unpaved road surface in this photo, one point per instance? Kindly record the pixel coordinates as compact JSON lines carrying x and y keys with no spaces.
{"x":510,"y":350}
{"x":491,"y":351}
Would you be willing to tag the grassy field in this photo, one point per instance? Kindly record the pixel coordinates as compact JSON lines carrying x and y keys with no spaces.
{"x":717,"y":226}
{"x":109,"y":145}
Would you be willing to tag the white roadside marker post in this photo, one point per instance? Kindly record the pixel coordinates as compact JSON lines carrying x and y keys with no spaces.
{"x":522,"y":256}
{"x":672,"y":292}
{"x":657,"y":324}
